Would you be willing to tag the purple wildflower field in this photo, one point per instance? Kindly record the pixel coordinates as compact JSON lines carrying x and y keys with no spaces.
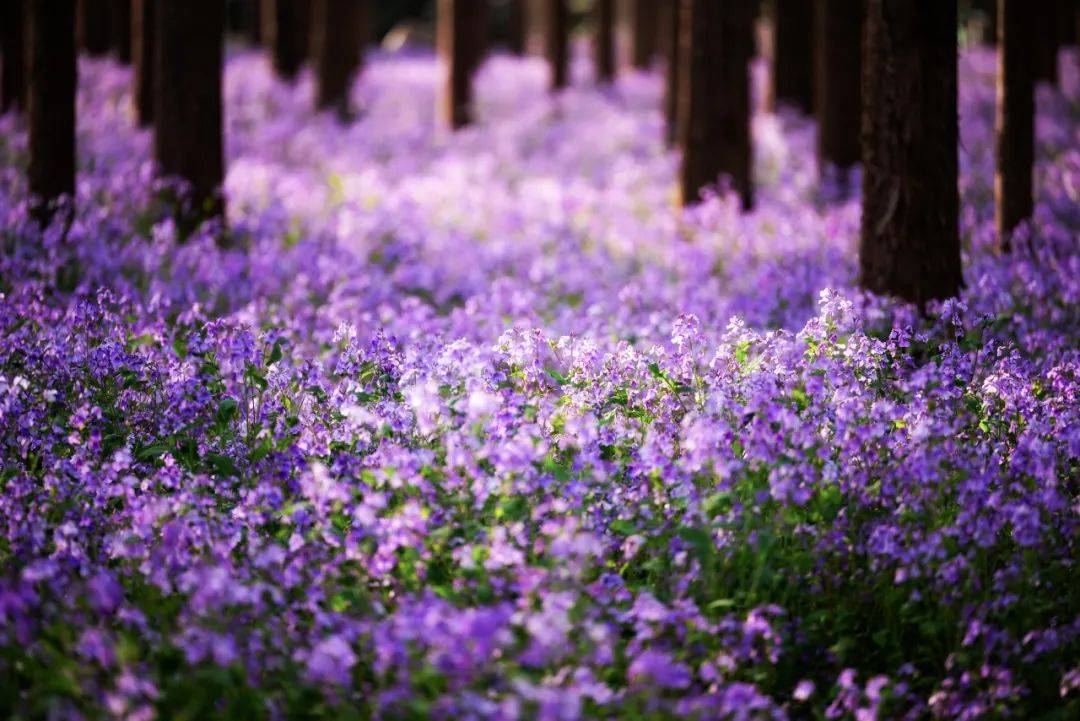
{"x":481,"y":426}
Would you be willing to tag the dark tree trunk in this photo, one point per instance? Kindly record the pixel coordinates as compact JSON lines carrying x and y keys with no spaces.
{"x":674,"y":67}
{"x":287,"y":32}
{"x":604,"y":17}
{"x":646,"y":32}
{"x":51,"y":74}
{"x":988,"y":9}
{"x":910,"y":244}
{"x":1066,"y":22}
{"x":838,"y":25}
{"x":340,"y":27}
{"x":462,"y":31}
{"x":93,"y":26}
{"x":516,"y":31}
{"x":144,"y":56}
{"x":253,"y":22}
{"x":1015,"y":117}
{"x":1046,"y":40}
{"x":716,"y":41}
{"x":120,"y":29}
{"x":187,"y":99}
{"x":557,"y":46}
{"x":793,"y":54}
{"x":13,"y":78}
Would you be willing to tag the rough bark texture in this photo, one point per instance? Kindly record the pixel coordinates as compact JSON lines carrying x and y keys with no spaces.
{"x":13,"y":69}
{"x":120,"y":29}
{"x":340,"y":27}
{"x":187,"y":99}
{"x":94,"y":26}
{"x":51,"y":74}
{"x":910,"y":245}
{"x":674,"y":68}
{"x":793,"y":54}
{"x":1015,"y":117}
{"x":604,"y":21}
{"x":143,"y":56}
{"x":287,"y":31}
{"x":715,"y":43}
{"x":646,"y":31}
{"x":837,"y":67}
{"x":462,"y":28}
{"x":557,"y":29}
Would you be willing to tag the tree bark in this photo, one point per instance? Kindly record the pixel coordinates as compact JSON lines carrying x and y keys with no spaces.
{"x":52,"y":75}
{"x":646,"y":32}
{"x":462,"y":29}
{"x":93,"y":26}
{"x":120,"y":29}
{"x":838,"y":25}
{"x":187,"y":99}
{"x":516,"y":31}
{"x":557,"y":29}
{"x":1046,"y":40}
{"x":13,"y":78}
{"x":910,"y":245}
{"x":674,"y":69}
{"x":604,"y":18}
{"x":287,"y":31}
{"x":340,"y":27}
{"x":143,"y":54}
{"x":1015,"y":117}
{"x":716,"y":42}
{"x":793,"y":54}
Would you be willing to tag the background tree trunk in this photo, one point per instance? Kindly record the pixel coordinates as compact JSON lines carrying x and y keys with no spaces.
{"x":516,"y":31}
{"x":120,"y":29}
{"x":646,"y":27}
{"x":793,"y":53}
{"x":910,"y":244}
{"x":13,"y":78}
{"x":557,"y":29}
{"x":93,"y":26}
{"x":1047,"y":35}
{"x":1015,"y":117}
{"x":462,"y":31}
{"x":838,"y":97}
{"x":716,"y":41}
{"x":144,"y":56}
{"x":187,"y":99}
{"x":674,"y":68}
{"x":51,"y":74}
{"x":340,"y":27}
{"x":604,"y":18}
{"x":286,"y":30}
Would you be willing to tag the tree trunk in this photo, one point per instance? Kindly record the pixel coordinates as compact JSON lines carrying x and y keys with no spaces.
{"x":646,"y":32}
{"x":557,"y":29}
{"x":187,"y":100}
{"x":910,"y":244}
{"x":93,"y":26}
{"x":1046,"y":40}
{"x":1015,"y":117}
{"x":13,"y":78}
{"x":340,"y":27}
{"x":462,"y":32}
{"x":674,"y":67}
{"x":516,"y":31}
{"x":120,"y":29}
{"x":838,"y":24}
{"x":793,"y":54}
{"x":142,"y":50}
{"x":604,"y":17}
{"x":716,"y":42}
{"x":51,"y":74}
{"x":287,"y":31}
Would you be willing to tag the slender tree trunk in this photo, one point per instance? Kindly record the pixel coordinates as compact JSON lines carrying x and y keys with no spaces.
{"x":1015,"y":117}
{"x":337,"y":45}
{"x":187,"y":99}
{"x":253,"y":21}
{"x":13,"y":79}
{"x":516,"y":31}
{"x":557,"y":47}
{"x":120,"y":29}
{"x":716,"y":42}
{"x":52,"y":74}
{"x":143,"y":53}
{"x":93,"y":26}
{"x":793,"y":54}
{"x":910,"y":244}
{"x":287,"y":31}
{"x":462,"y":32}
{"x":674,"y":67}
{"x":604,"y":17}
{"x":838,"y":24}
{"x":1046,"y":40}
{"x":646,"y":32}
